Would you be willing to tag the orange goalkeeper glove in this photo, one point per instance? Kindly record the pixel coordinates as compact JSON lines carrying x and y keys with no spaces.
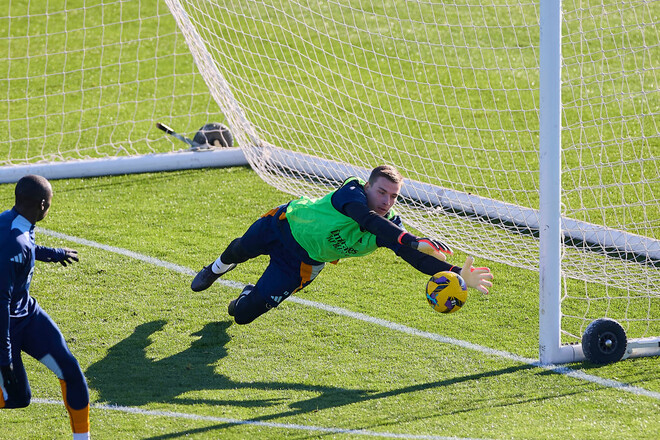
{"x":432,"y":247}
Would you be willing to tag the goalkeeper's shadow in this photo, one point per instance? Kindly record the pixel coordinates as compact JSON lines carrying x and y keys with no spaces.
{"x":126,"y":376}
{"x":342,"y":397}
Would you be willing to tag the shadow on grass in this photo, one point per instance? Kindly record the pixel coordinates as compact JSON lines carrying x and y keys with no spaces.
{"x":127,"y":377}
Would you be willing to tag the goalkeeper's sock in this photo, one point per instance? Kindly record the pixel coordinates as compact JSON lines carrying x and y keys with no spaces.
{"x":218,"y":267}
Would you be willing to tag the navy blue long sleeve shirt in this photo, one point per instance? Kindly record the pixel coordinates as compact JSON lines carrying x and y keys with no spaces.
{"x":18,"y":252}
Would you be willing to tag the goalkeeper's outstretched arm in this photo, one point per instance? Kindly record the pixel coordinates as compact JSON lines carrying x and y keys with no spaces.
{"x":425,"y":263}
{"x":425,"y":254}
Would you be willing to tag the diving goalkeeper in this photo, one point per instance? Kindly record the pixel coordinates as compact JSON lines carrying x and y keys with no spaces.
{"x":303,"y":235}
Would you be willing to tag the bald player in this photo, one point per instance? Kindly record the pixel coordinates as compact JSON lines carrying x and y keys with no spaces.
{"x":24,"y":325}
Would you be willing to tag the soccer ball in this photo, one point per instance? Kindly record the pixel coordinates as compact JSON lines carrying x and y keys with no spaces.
{"x":446,"y":292}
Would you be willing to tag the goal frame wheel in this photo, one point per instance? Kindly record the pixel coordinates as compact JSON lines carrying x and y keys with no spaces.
{"x":604,"y":341}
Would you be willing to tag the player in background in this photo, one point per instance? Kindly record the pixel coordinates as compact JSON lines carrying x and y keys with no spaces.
{"x":24,"y":325}
{"x":303,"y":235}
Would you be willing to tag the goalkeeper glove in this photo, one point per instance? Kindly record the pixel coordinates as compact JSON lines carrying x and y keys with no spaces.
{"x":476,"y":277}
{"x":432,"y":247}
{"x":9,"y":381}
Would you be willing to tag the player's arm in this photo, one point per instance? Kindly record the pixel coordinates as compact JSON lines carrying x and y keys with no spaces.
{"x":63,"y":256}
{"x":425,"y":263}
{"x":390,"y":234}
{"x":351,"y":200}
{"x":372,"y":222}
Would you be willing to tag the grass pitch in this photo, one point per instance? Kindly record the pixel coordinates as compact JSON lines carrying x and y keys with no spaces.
{"x":164,"y":362}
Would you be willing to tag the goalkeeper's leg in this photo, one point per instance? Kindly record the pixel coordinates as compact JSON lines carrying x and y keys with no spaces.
{"x":257,"y":240}
{"x":284,"y":276}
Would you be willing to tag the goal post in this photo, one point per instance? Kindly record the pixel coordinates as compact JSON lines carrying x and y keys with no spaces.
{"x":151,"y":163}
{"x":550,"y":181}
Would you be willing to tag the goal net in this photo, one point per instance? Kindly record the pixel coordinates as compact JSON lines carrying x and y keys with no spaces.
{"x":315,"y":91}
{"x":88,"y":79}
{"x":449,"y":93}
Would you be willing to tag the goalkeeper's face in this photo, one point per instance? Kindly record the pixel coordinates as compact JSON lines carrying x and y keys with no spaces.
{"x":382,"y":195}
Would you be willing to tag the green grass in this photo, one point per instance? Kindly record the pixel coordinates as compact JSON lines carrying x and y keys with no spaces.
{"x":92,"y":81}
{"x":146,"y":341}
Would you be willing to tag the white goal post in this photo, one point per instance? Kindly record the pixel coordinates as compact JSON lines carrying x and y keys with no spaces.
{"x":527,"y":131}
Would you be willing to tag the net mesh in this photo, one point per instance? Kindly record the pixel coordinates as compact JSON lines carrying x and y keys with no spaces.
{"x":88,"y":79}
{"x":317,"y":90}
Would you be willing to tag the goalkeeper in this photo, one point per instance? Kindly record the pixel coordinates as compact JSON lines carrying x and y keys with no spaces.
{"x":303,"y":235}
{"x":24,"y":325}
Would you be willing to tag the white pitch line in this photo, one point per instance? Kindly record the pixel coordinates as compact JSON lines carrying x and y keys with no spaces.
{"x":292,"y":426}
{"x":609,"y":383}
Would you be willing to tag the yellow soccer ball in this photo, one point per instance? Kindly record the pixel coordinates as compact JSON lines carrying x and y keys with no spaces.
{"x":446,"y":292}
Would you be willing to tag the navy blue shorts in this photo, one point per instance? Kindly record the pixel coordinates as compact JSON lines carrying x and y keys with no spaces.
{"x":289,"y":270}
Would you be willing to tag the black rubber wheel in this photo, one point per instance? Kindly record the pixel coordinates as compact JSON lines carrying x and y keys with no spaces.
{"x":604,"y":341}
{"x":214,"y":134}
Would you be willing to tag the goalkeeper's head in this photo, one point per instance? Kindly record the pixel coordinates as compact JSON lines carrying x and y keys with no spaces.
{"x":383,"y":188}
{"x":33,"y":196}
